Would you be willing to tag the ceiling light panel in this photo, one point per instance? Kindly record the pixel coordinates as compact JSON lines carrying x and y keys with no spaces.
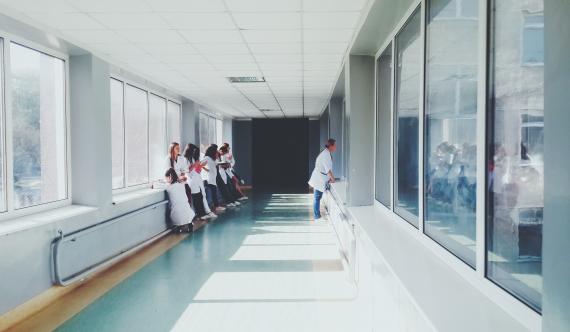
{"x":211,"y":36}
{"x":332,"y":20}
{"x":201,"y":21}
{"x":268,"y":21}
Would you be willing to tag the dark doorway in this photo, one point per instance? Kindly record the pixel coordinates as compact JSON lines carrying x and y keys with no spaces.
{"x":280,"y":155}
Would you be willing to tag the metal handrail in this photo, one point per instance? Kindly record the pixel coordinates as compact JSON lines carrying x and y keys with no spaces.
{"x":92,"y":228}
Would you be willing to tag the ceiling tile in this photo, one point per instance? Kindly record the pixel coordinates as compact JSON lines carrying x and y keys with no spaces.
{"x":333,"y":20}
{"x":325,"y":48}
{"x":227,"y":48}
{"x":94,"y":36}
{"x":180,"y":59}
{"x":118,"y":21}
{"x":64,"y":21}
{"x":110,"y":6}
{"x":272,"y":36}
{"x":236,"y":59}
{"x":44,"y":6}
{"x":211,"y":36}
{"x":268,"y":21}
{"x":201,"y":21}
{"x":333,"y":5}
{"x":263,"y":5}
{"x":116,"y":48}
{"x":327,"y":35}
{"x":194,"y":6}
{"x":276,"y":48}
{"x":168,"y":49}
{"x":152,"y":36}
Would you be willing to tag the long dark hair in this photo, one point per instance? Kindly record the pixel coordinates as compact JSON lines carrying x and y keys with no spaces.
{"x":172,"y":174}
{"x":212,"y":151}
{"x":192,"y":153}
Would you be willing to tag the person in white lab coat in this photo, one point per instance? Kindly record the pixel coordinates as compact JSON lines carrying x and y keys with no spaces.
{"x":181,"y":214}
{"x":211,"y":169}
{"x":176,"y":162}
{"x":232,"y":173}
{"x":192,"y":157}
{"x":322,"y":175}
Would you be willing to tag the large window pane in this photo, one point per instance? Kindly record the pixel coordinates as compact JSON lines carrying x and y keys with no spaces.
{"x":136,"y":135}
{"x":383,"y":126}
{"x":173,"y":122}
{"x":450,"y":130}
{"x":212,"y":130}
{"x":117,"y":134}
{"x":515,"y":129}
{"x":219,"y":132}
{"x":38,"y":128}
{"x":157,"y":136}
{"x":407,"y":102}
{"x":203,"y":129}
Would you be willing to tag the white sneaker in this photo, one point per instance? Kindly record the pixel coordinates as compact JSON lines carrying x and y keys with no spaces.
{"x":206,"y":217}
{"x":220,"y":208}
{"x":236,"y":203}
{"x":244,"y":198}
{"x":231,"y":205}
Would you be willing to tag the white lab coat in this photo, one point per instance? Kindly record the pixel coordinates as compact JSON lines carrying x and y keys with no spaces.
{"x":180,"y":165}
{"x":225,"y":173}
{"x":212,"y":171}
{"x":194,"y":180}
{"x":180,"y":211}
{"x":323,"y":165}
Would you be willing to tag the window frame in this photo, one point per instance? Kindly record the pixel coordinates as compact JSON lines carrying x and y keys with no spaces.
{"x":149,"y":91}
{"x":529,"y":26}
{"x":6,"y":111}
{"x":475,"y":276}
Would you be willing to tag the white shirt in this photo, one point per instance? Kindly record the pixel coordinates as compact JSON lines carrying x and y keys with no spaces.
{"x":194,"y":180}
{"x":180,"y":165}
{"x":225,"y":173}
{"x":323,"y":165}
{"x":212,"y":171}
{"x":180,"y":211}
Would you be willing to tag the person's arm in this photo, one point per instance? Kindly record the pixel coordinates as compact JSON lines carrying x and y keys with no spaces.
{"x":331,"y":176}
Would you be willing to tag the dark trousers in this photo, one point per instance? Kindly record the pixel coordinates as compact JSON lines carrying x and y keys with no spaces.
{"x":198,"y":201}
{"x":224,"y":190}
{"x":211,"y":194}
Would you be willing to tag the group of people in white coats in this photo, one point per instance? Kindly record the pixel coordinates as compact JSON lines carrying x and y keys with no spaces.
{"x":201,"y":186}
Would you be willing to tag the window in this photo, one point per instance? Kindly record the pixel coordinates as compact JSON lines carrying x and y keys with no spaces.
{"x":384,"y":126}
{"x":117,"y":134}
{"x":211,"y":131}
{"x":515,"y":178}
{"x":38,"y":127}
{"x":407,"y":103}
{"x":174,"y":122}
{"x":454,"y":9}
{"x":450,"y":147}
{"x":533,"y":39}
{"x":157,"y":136}
{"x":136,"y":136}
{"x":2,"y":147}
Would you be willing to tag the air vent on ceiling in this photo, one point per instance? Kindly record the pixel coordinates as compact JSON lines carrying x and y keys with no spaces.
{"x":246,"y":79}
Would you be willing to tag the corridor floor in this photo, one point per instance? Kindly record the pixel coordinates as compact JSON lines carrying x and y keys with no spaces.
{"x":265,"y":267}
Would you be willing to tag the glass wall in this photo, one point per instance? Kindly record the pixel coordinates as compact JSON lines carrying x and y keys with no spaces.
{"x":450,"y":147}
{"x":211,"y":131}
{"x":157,"y":136}
{"x":203,"y":129}
{"x":515,"y":132}
{"x":407,"y":103}
{"x":174,"y":122}
{"x":117,"y":134}
{"x":136,"y":136}
{"x":38,"y":127}
{"x":384,"y":127}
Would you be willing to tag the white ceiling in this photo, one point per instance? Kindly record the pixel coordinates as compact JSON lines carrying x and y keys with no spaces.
{"x":191,"y":46}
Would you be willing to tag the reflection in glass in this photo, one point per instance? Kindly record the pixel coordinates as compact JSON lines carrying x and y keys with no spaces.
{"x":38,"y":127}
{"x":450,"y":128}
{"x":174,"y":121}
{"x":136,"y":136}
{"x":407,"y":102}
{"x":515,"y":149}
{"x":117,"y":134}
{"x":157,"y":136}
{"x":383,"y":126}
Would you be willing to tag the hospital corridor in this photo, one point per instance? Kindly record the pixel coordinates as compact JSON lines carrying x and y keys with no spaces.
{"x":284,"y":165}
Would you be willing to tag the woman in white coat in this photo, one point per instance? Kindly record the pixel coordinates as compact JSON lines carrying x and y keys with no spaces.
{"x":192,"y":157}
{"x":181,"y":215}
{"x":322,"y":175}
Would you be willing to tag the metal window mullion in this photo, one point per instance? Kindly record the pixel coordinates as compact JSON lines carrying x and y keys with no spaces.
{"x":8,"y":143}
{"x":392,"y":122}
{"x":482,"y":79}
{"x":421,"y":118}
{"x":123,"y":114}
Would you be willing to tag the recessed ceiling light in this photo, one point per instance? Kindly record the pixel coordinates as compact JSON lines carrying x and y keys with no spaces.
{"x":246,"y":79}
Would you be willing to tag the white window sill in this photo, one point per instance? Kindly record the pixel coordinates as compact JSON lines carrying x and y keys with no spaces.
{"x":119,"y":198}
{"x":43,"y":218}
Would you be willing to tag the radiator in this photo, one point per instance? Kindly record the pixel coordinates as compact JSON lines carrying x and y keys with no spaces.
{"x":86,"y":251}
